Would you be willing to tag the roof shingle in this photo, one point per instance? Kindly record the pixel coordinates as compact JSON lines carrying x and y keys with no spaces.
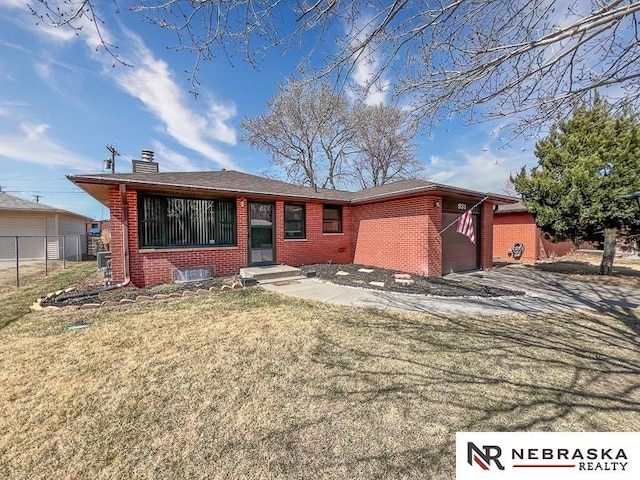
{"x":229,"y":181}
{"x":10,"y":202}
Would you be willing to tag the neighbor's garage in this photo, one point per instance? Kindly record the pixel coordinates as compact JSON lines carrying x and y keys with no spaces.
{"x":24,"y":226}
{"x":458,"y":253}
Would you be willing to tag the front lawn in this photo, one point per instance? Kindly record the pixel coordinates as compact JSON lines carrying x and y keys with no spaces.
{"x":15,"y":301}
{"x":250,"y":384}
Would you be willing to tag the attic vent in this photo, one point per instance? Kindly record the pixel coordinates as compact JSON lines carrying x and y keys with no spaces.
{"x":191,"y":274}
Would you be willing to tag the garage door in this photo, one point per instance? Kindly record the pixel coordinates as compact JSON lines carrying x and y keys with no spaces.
{"x":24,"y":227}
{"x":458,"y":253}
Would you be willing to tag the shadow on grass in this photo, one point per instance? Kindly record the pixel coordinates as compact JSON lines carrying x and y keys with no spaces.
{"x":536,"y":373}
{"x":575,"y":267}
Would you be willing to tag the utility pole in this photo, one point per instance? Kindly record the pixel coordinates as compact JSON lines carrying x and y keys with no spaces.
{"x":110,"y":163}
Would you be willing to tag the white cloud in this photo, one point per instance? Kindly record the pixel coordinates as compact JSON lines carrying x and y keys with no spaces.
{"x":196,"y":126}
{"x":367,"y":64}
{"x":483,"y":169}
{"x":43,"y":70}
{"x":151,"y":81}
{"x":33,"y":144}
{"x":170,"y":160}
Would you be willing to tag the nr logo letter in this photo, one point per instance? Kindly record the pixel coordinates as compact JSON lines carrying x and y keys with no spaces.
{"x":483,"y":457}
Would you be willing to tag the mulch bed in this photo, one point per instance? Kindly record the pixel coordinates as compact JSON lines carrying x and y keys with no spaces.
{"x":407,"y":283}
{"x":92,"y":291}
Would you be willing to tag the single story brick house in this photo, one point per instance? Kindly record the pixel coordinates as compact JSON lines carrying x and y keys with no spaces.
{"x":229,"y":220}
{"x":514,"y":224}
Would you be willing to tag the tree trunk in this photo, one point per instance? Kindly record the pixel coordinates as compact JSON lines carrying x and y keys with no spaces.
{"x":610,"y":237}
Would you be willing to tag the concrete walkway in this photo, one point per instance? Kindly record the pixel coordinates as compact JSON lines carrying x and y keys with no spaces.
{"x":545,"y":292}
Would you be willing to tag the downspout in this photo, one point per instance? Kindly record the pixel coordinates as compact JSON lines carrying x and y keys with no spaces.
{"x":125,"y":238}
{"x":125,"y":235}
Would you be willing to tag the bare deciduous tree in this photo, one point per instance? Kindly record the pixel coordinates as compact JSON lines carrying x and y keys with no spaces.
{"x":384,"y":152}
{"x":305,"y":132}
{"x":480,"y":58}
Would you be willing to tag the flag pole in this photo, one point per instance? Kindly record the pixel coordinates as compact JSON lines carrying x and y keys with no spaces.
{"x":448,"y":226}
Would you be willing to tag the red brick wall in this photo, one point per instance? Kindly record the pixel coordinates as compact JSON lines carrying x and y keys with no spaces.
{"x":396,"y":234}
{"x":153,"y":267}
{"x":486,"y":236}
{"x":399,"y":235}
{"x":515,"y":227}
{"x":318,"y":247}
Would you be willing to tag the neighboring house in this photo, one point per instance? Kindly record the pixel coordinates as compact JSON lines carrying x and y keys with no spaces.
{"x":95,"y":227}
{"x":33,"y":221}
{"x":513,"y":224}
{"x":231,"y":220}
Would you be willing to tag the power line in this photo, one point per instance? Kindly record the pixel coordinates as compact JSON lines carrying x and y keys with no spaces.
{"x":41,"y":191}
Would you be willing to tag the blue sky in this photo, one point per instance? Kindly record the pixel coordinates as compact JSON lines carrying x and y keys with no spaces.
{"x":62,"y":101}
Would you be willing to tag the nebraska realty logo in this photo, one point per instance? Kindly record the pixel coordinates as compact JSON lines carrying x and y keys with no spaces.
{"x":559,"y":455}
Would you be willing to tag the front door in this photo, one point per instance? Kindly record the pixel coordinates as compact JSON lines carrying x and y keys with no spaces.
{"x":261,"y":233}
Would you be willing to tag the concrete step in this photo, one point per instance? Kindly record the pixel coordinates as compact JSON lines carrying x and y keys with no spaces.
{"x":270,"y":272}
{"x":283,"y":279}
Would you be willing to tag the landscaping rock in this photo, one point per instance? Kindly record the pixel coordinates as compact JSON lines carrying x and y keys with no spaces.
{"x":404,"y":276}
{"x":387,"y":280}
{"x":109,"y":303}
{"x":126,"y":300}
{"x":404,"y":281}
{"x":143,"y":298}
{"x":36,"y":307}
{"x":342,"y":273}
{"x":200,"y":291}
{"x":87,"y":306}
{"x":366,"y":270}
{"x":161,"y":296}
{"x":377,"y":284}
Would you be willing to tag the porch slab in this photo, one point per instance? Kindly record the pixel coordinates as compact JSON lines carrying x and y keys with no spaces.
{"x":270,"y":272}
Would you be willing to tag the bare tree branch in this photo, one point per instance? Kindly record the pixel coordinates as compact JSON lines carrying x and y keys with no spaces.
{"x":536,"y":59}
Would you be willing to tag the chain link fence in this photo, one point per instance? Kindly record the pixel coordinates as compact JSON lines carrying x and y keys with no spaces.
{"x":32,"y":256}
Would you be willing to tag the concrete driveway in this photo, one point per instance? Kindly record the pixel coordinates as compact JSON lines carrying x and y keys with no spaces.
{"x":545,"y":292}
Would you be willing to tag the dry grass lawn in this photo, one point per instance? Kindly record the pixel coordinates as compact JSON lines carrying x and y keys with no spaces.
{"x":14,"y":302}
{"x":31,"y":272}
{"x":249,"y":384}
{"x":586,"y":268}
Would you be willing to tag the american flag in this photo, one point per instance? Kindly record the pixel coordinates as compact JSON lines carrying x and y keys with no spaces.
{"x":464,"y":225}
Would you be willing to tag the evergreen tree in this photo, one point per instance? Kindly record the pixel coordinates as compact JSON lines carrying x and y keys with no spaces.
{"x":585,"y":166}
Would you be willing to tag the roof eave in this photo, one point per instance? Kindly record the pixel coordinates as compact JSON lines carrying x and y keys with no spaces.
{"x":81,"y":181}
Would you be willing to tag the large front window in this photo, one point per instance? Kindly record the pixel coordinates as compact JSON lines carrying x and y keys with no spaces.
{"x":181,"y":222}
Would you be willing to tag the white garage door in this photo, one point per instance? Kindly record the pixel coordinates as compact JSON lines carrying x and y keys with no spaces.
{"x":22,"y":226}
